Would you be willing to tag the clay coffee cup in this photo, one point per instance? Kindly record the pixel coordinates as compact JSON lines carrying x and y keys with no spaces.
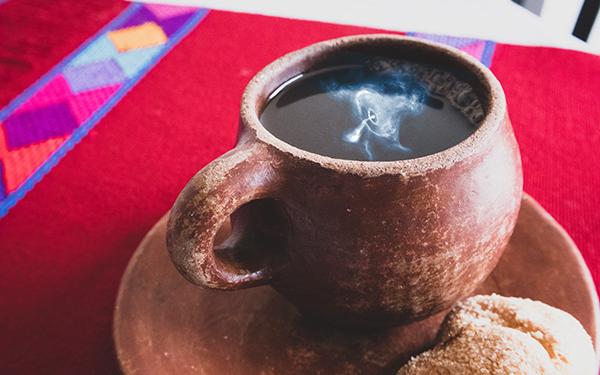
{"x":361,"y":243}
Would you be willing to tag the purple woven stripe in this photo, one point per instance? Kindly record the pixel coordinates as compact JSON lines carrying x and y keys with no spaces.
{"x":37,"y":125}
{"x":72,"y":97}
{"x":172,"y":24}
{"x":142,"y":15}
{"x":2,"y":187}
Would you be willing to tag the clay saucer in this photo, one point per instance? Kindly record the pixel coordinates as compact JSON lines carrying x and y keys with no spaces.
{"x":165,"y":325}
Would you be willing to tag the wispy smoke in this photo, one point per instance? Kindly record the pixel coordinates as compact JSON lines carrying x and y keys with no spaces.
{"x":380,"y":103}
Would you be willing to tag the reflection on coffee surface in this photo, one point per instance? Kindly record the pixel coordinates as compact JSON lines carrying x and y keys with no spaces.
{"x":374,"y":109}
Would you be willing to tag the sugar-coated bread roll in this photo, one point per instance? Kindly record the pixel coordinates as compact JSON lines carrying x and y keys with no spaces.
{"x":507,"y":335}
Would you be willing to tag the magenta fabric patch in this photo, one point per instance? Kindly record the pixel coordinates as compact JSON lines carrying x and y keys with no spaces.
{"x":84,"y":104}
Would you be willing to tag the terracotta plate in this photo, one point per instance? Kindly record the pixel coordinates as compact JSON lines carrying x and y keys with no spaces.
{"x":164,"y":325}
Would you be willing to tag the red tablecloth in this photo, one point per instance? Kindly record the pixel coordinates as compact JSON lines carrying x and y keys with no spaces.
{"x":65,"y":245}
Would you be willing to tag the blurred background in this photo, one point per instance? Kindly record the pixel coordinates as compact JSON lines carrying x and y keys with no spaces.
{"x":569,"y":24}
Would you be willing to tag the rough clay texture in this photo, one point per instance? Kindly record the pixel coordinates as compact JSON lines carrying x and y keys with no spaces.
{"x":507,"y":335}
{"x":208,"y":199}
{"x":366,"y":243}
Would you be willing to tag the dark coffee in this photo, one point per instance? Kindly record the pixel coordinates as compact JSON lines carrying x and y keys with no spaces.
{"x":376,"y":109}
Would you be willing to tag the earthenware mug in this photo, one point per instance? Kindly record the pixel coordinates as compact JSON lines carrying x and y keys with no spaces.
{"x":362,"y":243}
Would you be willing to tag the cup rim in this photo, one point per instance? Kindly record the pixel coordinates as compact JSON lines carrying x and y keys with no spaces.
{"x":285,"y":67}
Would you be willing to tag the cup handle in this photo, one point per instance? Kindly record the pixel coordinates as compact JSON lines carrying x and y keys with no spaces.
{"x":242,"y":175}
